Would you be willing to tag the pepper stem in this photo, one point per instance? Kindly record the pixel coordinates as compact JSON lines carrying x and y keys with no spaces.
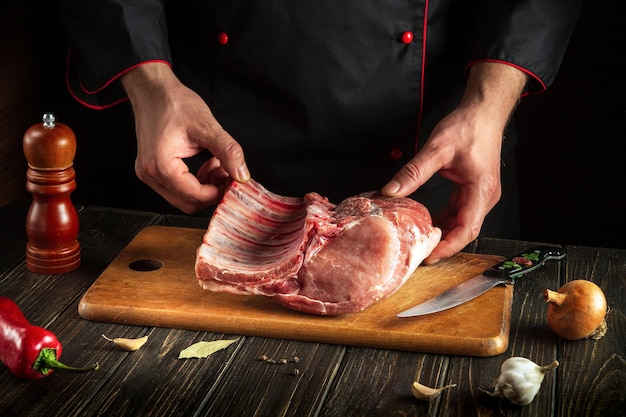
{"x":47,"y":361}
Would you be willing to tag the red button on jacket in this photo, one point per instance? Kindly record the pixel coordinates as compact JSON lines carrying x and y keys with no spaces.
{"x":395,"y":153}
{"x":407,"y":37}
{"x":222,"y":38}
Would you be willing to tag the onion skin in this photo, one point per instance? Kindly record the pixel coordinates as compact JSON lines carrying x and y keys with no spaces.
{"x":577,"y":310}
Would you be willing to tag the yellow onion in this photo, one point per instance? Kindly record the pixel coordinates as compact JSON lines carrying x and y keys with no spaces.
{"x":577,"y":310}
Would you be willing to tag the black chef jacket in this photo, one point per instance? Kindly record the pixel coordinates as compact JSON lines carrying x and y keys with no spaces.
{"x":332,"y":96}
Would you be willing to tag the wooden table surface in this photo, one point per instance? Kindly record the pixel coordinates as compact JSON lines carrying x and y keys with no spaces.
{"x":332,"y":380}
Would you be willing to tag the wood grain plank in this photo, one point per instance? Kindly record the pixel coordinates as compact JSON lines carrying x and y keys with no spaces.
{"x":154,"y":382}
{"x":13,"y":234}
{"x":254,"y":387}
{"x":51,"y":301}
{"x":65,"y":394}
{"x":195,"y":221}
{"x":103,"y":234}
{"x":529,"y":338}
{"x":376,"y":382}
{"x":592,"y":374}
{"x":171,"y":297}
{"x":333,"y":380}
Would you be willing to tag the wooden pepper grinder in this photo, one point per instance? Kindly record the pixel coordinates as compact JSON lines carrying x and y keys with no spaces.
{"x":52,"y":220}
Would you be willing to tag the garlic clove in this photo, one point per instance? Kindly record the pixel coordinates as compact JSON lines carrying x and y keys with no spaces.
{"x":128,"y":344}
{"x":422,"y":392}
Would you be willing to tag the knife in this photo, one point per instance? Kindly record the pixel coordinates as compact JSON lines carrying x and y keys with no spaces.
{"x":503,"y":273}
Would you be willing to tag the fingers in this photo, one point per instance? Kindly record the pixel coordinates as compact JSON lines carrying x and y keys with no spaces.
{"x":454,"y":241}
{"x":462,"y":221}
{"x":178,"y":186}
{"x":211,"y":172}
{"x":230,"y":155}
{"x":414,"y":174}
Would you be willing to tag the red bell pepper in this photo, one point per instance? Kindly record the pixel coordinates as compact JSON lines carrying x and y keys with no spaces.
{"x":30,"y":352}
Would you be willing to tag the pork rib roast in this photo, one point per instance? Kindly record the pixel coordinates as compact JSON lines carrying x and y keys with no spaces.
{"x":309,"y":254}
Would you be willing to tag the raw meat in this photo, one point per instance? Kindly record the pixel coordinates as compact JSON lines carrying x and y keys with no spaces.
{"x":309,"y":254}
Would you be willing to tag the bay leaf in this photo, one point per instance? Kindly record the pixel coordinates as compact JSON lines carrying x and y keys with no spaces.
{"x":204,"y":349}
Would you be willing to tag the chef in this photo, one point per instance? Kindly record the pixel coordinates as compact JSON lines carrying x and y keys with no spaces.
{"x":410,"y":97}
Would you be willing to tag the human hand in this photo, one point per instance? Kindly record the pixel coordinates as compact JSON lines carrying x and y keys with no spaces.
{"x":465,"y":148}
{"x":173,"y":123}
{"x":466,"y":152}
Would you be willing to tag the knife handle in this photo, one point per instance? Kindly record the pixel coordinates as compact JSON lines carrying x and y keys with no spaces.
{"x":523,"y":263}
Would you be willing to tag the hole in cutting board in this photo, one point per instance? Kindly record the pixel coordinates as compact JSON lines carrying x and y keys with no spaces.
{"x":146,"y":265}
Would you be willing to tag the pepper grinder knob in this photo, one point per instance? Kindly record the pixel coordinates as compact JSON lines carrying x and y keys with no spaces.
{"x":52,"y":220}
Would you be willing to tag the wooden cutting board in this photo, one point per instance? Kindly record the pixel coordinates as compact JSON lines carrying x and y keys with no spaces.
{"x":152,"y":283}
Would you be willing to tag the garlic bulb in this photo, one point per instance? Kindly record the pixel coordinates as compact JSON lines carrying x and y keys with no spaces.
{"x":520,"y":380}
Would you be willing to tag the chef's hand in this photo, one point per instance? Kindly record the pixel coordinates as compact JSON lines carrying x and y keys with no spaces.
{"x":465,"y":148}
{"x":172,"y":122}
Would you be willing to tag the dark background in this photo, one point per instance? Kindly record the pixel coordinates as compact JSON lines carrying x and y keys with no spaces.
{"x":571,"y":153}
{"x":570,"y":158}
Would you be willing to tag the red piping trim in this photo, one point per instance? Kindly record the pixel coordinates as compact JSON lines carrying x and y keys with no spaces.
{"x":537,"y":80}
{"x":94,"y":106}
{"x":104,"y":86}
{"x":421,"y":103}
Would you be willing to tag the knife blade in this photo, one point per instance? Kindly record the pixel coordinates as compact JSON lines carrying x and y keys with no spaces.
{"x":504,"y":272}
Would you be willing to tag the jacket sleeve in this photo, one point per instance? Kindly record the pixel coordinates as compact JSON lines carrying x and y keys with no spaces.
{"x":531,"y":35}
{"x":105,"y":39}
